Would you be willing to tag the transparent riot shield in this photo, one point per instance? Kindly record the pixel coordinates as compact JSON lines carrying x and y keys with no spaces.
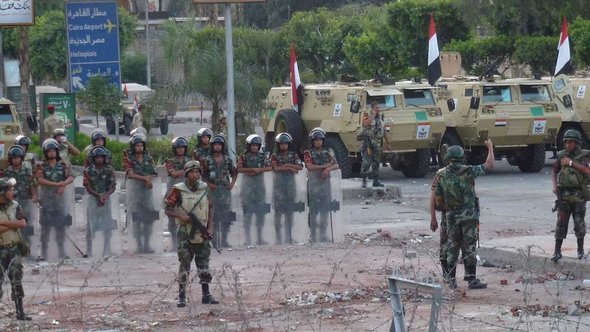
{"x":324,"y":194}
{"x":224,"y":216}
{"x":101,"y":229}
{"x":252,"y":203}
{"x":31,"y":232}
{"x":57,"y":237}
{"x":289,"y":211}
{"x":144,"y":227}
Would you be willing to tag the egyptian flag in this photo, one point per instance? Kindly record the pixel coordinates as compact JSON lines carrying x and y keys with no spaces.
{"x":434,"y":69}
{"x":296,"y":86}
{"x":564,"y":62}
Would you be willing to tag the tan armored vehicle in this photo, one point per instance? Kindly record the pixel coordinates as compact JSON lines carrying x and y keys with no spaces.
{"x":10,"y":127}
{"x":413,"y":122}
{"x":519,"y":115}
{"x":573,"y":100}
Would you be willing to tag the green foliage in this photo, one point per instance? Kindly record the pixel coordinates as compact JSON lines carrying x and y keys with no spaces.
{"x":101,"y":97}
{"x":477,"y":55}
{"x":538,"y":52}
{"x":579,"y":32}
{"x":133,"y":68}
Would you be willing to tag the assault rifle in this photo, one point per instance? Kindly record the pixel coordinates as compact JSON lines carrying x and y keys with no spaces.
{"x":196,"y":224}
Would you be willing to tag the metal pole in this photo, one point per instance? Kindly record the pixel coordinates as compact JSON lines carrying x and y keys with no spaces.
{"x":229,"y":59}
{"x":147,"y":43}
{"x":2,"y":80}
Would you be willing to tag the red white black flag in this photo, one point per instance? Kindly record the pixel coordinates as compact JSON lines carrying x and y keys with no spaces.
{"x":434,"y":68}
{"x":295,"y":81}
{"x":564,"y":62}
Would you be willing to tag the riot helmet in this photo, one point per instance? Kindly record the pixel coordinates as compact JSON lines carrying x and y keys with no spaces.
{"x":179,"y":142}
{"x":16,"y":151}
{"x":98,"y":134}
{"x":50,"y":144}
{"x":22,"y":140}
{"x":59,"y":132}
{"x":317,"y":133}
{"x":6,"y":184}
{"x":98,"y":151}
{"x":138,"y":130}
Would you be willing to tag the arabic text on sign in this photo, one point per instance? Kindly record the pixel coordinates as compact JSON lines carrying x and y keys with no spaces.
{"x":14,"y":5}
{"x":86,"y":12}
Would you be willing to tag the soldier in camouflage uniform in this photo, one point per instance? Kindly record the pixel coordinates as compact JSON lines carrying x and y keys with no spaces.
{"x":192,"y":197}
{"x":202,"y":151}
{"x":221,"y":175}
{"x":30,"y":157}
{"x":372,"y":136}
{"x":319,"y":162}
{"x":12,"y":219}
{"x":253,"y":163}
{"x":285,"y":164}
{"x":53,"y":176}
{"x":175,"y":168}
{"x":100,"y":182}
{"x":26,"y":189}
{"x":99,"y":138}
{"x":570,"y":184}
{"x":66,"y":149}
{"x":455,"y":194}
{"x":141,"y":169}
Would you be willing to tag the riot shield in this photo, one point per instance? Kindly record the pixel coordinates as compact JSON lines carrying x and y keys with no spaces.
{"x":170,"y":243}
{"x":289,"y":210}
{"x":252,"y":203}
{"x":144,"y":227}
{"x":325,"y":195}
{"x":102,"y":236}
{"x":224,"y":216}
{"x":31,"y":232}
{"x":56,"y":215}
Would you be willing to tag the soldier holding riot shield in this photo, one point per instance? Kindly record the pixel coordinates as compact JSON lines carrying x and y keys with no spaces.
{"x":100,"y":182}
{"x":54,"y":177}
{"x":285,"y":164}
{"x":141,"y":171}
{"x":175,"y":168}
{"x":26,"y":189}
{"x":99,"y":138}
{"x":319,"y":162}
{"x":252,"y":164}
{"x":221,"y":175}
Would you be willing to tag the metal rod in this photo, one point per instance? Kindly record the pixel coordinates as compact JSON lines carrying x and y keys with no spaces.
{"x":147,"y":45}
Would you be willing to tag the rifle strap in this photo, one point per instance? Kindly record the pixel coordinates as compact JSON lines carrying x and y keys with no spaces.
{"x":197,"y":203}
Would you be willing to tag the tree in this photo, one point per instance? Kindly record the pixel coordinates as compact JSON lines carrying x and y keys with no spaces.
{"x":479,"y":55}
{"x":579,"y":32}
{"x":133,"y":68}
{"x":538,"y":52}
{"x":101,"y":97}
{"x":25,"y":74}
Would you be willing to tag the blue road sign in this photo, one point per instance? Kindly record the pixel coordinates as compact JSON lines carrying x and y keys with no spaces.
{"x":93,"y":43}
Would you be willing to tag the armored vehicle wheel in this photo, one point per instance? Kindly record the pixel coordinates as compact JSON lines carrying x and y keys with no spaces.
{"x":417,"y":164}
{"x":335,"y":143}
{"x":289,"y":121}
{"x":534,"y":160}
{"x":450,"y":138}
{"x":477,"y":155}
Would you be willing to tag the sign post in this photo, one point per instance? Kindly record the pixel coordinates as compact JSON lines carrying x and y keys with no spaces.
{"x":93,"y":43}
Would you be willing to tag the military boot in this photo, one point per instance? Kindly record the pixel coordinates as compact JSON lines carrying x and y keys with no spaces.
{"x":475,"y":283}
{"x":106,"y":251}
{"x":20,"y":312}
{"x":557,"y":254}
{"x":181,"y":296}
{"x":146,"y":245}
{"x":445,"y":269}
{"x":451,"y":280}
{"x":207,"y":297}
{"x":364,"y":185}
{"x":260,"y":241}
{"x":581,"y":248}
{"x":376,"y":182}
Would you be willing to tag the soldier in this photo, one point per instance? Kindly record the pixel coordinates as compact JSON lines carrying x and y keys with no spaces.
{"x":253,"y":163}
{"x":53,"y":176}
{"x":100,"y":182}
{"x":285,"y":164}
{"x":319,"y":161}
{"x":372,"y":136}
{"x":175,"y":168}
{"x":221,"y":175}
{"x":26,"y":189}
{"x":65,"y":148}
{"x":98,"y":138}
{"x":191,"y":197}
{"x":12,"y":246}
{"x":140,"y":169}
{"x":52,"y":122}
{"x":455,"y":194}
{"x":203,"y":137}
{"x":570,"y":184}
{"x":24,"y":142}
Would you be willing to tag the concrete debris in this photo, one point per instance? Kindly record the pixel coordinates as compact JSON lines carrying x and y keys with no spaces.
{"x":313,"y":298}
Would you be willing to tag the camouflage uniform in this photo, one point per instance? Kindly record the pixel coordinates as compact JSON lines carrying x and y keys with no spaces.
{"x":220,"y":175}
{"x":253,"y":194}
{"x":371,"y":147}
{"x":455,"y":193}
{"x":173,"y":164}
{"x":24,"y":183}
{"x":319,"y":193}
{"x":64,"y":154}
{"x":141,"y":207}
{"x":284,"y":193}
{"x":200,"y":154}
{"x":52,"y":213}
{"x":10,"y":253}
{"x":572,"y":193}
{"x":99,"y":218}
